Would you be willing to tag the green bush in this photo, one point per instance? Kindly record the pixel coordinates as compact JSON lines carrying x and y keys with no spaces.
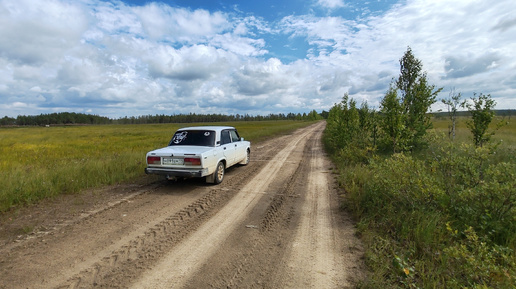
{"x":481,"y":191}
{"x":439,"y":220}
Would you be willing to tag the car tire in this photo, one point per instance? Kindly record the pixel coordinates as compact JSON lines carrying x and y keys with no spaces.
{"x":219,"y":173}
{"x":247,"y":158}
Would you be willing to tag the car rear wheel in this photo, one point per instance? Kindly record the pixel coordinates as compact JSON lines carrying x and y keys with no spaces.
{"x":247,"y":158}
{"x":219,"y":173}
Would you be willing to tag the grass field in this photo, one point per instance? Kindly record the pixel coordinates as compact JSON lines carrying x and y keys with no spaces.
{"x":507,"y":133}
{"x":42,"y":162}
{"x":504,"y":137}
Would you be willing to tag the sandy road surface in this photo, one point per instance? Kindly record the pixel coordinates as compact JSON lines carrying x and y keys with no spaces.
{"x":272,"y":224}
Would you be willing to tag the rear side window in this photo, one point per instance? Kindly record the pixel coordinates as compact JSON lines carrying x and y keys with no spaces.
{"x":234,"y":136}
{"x":225,"y":137}
{"x":193,"y":138}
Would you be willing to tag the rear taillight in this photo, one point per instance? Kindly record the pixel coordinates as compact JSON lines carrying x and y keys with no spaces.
{"x":193,"y":161}
{"x":154,"y":160}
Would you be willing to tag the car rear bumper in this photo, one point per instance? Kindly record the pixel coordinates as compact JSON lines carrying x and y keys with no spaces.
{"x":194,"y":173}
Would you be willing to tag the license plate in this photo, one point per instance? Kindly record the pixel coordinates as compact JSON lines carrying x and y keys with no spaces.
{"x":170,"y":161}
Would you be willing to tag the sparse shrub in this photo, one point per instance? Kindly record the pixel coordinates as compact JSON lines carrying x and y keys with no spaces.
{"x":453,"y":103}
{"x":482,"y":114}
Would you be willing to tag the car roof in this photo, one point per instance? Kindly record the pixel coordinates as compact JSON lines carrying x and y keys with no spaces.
{"x":215,"y":128}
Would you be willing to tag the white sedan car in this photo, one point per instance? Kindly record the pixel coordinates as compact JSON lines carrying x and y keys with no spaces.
{"x":203,"y":151}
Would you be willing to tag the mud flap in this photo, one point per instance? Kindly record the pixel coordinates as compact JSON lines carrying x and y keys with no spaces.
{"x":210,"y":179}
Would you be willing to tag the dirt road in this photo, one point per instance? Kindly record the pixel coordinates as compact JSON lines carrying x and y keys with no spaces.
{"x":275,"y":223}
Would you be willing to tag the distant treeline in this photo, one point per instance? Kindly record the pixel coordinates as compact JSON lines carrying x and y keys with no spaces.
{"x":61,"y":118}
{"x":72,"y":118}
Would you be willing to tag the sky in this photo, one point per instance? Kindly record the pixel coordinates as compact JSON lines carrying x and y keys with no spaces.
{"x":132,"y":58}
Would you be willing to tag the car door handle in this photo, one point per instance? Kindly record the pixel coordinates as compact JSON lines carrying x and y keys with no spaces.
{"x":225,"y":148}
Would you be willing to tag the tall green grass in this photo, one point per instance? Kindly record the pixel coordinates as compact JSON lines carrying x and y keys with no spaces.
{"x":42,"y":162}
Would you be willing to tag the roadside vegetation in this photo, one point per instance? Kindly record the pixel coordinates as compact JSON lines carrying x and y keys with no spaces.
{"x":434,"y":199}
{"x":42,"y":162}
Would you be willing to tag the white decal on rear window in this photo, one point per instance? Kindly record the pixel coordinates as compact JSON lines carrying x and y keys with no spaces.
{"x":179,"y":137}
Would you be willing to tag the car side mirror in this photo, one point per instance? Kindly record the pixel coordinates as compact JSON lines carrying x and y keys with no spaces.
{"x":241,"y":139}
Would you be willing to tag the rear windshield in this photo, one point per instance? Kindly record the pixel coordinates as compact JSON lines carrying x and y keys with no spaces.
{"x":193,"y":138}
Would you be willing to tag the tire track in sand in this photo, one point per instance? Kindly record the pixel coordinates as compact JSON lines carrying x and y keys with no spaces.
{"x":315,"y":259}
